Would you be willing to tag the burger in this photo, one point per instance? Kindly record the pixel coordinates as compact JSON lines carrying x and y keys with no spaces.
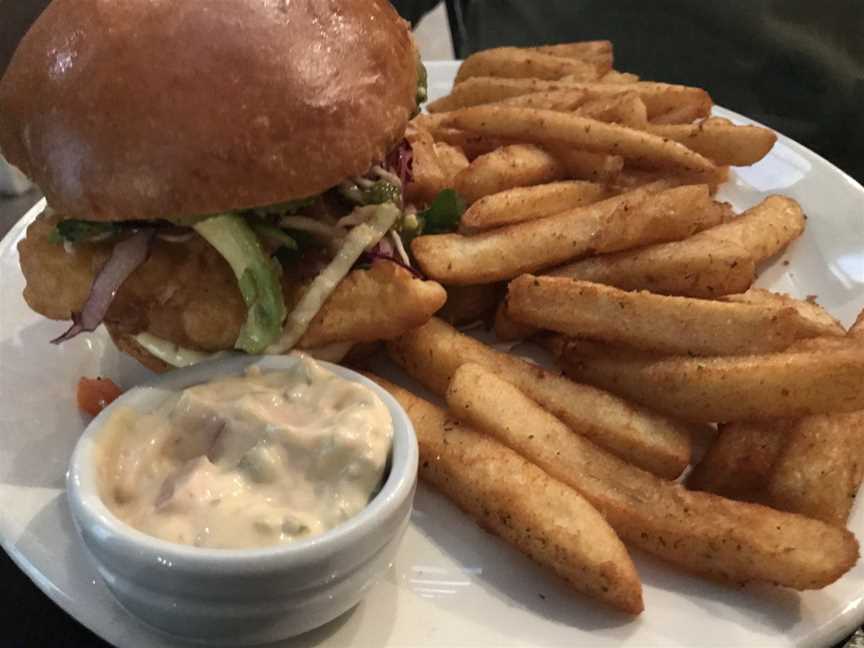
{"x":219,"y":174}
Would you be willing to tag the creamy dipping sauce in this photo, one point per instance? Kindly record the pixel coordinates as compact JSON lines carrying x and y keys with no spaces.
{"x":249,"y":461}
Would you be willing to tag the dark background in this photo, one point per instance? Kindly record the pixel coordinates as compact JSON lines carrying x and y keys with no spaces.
{"x":795,"y":65}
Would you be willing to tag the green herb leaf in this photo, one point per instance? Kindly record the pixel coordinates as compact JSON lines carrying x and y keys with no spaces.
{"x":444,"y":214}
{"x":382,"y":192}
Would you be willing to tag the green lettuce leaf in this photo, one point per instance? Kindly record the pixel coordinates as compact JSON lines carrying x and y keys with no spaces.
{"x":257,"y":275}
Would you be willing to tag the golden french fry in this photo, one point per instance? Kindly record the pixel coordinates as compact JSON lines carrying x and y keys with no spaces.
{"x":433,"y":352}
{"x":819,"y":318}
{"x":508,"y":330}
{"x":619,"y":223}
{"x":684,"y":113}
{"x":701,"y":532}
{"x":722,"y":143}
{"x":515,"y":63}
{"x":600,"y":52}
{"x":739,"y":460}
{"x":819,"y":469}
{"x":471,"y":144}
{"x":582,"y":165}
{"x":565,"y":129}
{"x":659,"y":323}
{"x":577,"y":164}
{"x":451,"y":161}
{"x":483,"y":90}
{"x":563,"y":100}
{"x":517,"y":165}
{"x":530,"y":203}
{"x":658,"y":98}
{"x":514,"y":499}
{"x":614,"y":76}
{"x":795,"y":383}
{"x":811,"y":466}
{"x":631,"y":178}
{"x":764,"y":230}
{"x":694,"y":267}
{"x":467,"y":304}
{"x":626,"y":109}
{"x":425,"y":121}
{"x":427,"y":175}
{"x":713,"y":120}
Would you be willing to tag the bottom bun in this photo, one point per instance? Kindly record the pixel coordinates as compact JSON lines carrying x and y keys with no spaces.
{"x":337,"y":353}
{"x":127,"y":344}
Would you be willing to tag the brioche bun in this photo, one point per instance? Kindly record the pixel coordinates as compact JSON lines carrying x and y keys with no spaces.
{"x":168,"y":108}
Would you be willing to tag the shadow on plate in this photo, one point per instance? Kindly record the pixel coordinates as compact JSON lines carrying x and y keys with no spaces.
{"x":760,"y":607}
{"x":490,"y":563}
{"x":39,"y":421}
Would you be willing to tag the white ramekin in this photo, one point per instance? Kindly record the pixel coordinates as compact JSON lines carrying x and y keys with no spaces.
{"x":242,"y":596}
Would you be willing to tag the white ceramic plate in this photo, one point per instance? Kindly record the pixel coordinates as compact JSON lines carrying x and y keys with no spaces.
{"x":452,"y":584}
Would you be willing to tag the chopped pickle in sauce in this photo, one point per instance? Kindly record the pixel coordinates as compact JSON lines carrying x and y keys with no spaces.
{"x":247,"y":461}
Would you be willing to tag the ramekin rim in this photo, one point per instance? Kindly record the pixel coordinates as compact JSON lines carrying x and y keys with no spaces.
{"x":90,"y":511}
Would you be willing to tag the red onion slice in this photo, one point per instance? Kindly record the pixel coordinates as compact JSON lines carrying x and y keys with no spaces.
{"x":125,"y":258}
{"x":384,"y":250}
{"x":400,"y":160}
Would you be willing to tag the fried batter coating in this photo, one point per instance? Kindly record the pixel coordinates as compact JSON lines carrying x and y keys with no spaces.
{"x":186,"y":293}
{"x":376,"y":304}
{"x":57,"y":281}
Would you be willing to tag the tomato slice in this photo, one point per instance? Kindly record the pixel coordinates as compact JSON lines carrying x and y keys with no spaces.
{"x":95,"y":394}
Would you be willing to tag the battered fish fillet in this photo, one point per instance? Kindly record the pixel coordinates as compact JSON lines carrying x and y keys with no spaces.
{"x":187,"y":294}
{"x":376,"y":304}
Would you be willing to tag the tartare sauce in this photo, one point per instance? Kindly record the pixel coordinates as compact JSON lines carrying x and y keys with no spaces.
{"x":247,"y":461}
